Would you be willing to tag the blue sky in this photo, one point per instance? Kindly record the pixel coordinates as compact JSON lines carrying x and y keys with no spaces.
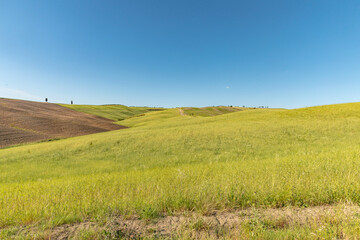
{"x":181,"y":53}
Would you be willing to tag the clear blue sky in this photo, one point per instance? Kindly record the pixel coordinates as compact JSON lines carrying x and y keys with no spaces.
{"x":181,"y":53}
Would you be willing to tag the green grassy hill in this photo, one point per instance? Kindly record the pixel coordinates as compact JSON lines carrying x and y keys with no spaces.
{"x":168,"y":163}
{"x":113,"y":112}
{"x":211,"y":111}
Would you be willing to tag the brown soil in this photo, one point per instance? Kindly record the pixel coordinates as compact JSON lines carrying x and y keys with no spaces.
{"x":26,"y":121}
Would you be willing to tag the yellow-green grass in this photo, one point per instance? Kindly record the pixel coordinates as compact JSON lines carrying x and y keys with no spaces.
{"x":169,"y":163}
{"x":113,"y":112}
{"x":159,"y":119}
{"x":211,"y":111}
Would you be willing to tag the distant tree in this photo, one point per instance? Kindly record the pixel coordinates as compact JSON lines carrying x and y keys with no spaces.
{"x":46,"y":100}
{"x":72,"y":102}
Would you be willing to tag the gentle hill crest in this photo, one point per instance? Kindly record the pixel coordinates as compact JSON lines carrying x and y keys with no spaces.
{"x":210,"y":111}
{"x":116,"y":112}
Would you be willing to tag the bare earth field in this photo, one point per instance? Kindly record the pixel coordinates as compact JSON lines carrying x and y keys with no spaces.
{"x":26,"y":121}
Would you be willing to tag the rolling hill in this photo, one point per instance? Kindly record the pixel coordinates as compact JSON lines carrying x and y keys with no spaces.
{"x":263,"y":173}
{"x":211,"y":111}
{"x":113,"y":112}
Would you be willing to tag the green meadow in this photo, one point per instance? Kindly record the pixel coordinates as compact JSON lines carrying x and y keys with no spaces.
{"x":211,"y":111}
{"x":168,"y":163}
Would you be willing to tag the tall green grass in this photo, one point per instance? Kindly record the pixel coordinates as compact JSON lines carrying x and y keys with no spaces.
{"x":167,"y":163}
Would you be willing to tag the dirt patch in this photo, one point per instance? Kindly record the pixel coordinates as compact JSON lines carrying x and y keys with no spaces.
{"x":181,"y":112}
{"x":196,"y":226}
{"x":26,"y":121}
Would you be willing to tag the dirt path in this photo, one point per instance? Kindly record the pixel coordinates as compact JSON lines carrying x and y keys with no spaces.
{"x":181,"y":112}
{"x":26,"y":121}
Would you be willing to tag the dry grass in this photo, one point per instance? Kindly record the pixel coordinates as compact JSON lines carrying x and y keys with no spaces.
{"x":302,"y":223}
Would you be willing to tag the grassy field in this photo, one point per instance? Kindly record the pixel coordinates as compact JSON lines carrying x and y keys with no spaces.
{"x":211,"y":111}
{"x":113,"y":112}
{"x":167,"y":164}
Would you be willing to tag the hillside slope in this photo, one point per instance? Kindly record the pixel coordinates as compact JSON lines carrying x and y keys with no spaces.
{"x":26,"y":121}
{"x":211,"y":111}
{"x":113,"y":112}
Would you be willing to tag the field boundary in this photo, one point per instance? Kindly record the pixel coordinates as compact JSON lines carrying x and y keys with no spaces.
{"x":215,"y":224}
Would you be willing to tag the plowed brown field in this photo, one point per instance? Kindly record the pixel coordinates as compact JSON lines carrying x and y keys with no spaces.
{"x":25,"y":121}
